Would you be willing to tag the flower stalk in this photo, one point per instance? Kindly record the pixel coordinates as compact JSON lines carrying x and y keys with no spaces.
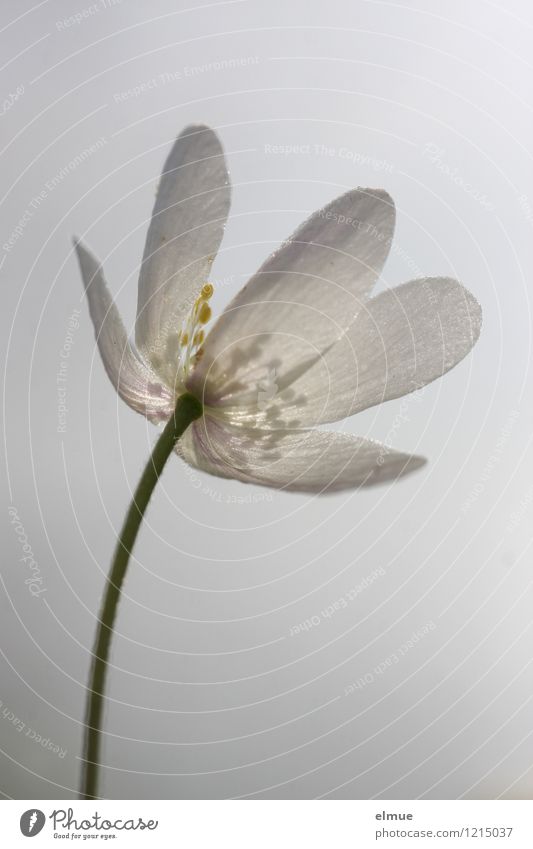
{"x":187,"y":410}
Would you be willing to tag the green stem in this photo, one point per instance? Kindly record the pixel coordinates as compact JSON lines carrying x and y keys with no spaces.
{"x":188,"y":408}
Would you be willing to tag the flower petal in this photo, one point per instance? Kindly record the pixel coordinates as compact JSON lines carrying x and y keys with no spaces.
{"x":185,"y":232}
{"x":296,"y":461}
{"x":135,"y":381}
{"x":401,"y":340}
{"x":299,"y":302}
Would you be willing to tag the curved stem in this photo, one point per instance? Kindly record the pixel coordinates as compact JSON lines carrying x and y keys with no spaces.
{"x":188,"y":408}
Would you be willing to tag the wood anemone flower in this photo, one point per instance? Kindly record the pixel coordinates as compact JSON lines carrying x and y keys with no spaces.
{"x":301,"y":345}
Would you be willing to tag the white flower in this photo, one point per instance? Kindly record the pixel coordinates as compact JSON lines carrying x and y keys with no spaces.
{"x":302,"y":343}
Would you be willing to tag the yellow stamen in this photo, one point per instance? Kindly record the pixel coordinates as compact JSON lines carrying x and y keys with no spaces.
{"x":191,"y":338}
{"x":204,"y":313}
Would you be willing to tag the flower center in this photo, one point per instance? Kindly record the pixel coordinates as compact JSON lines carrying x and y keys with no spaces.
{"x":184,"y":349}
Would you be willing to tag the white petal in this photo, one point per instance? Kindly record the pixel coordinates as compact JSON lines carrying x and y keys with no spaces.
{"x":299,"y":302}
{"x":185,"y":232}
{"x":135,"y":382}
{"x":296,"y":461}
{"x":401,"y":340}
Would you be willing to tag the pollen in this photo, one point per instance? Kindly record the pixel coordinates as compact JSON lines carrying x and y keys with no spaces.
{"x":204,"y":312}
{"x":192,"y":335}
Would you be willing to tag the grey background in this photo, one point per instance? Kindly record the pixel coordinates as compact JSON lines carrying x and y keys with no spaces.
{"x":210,"y":695}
